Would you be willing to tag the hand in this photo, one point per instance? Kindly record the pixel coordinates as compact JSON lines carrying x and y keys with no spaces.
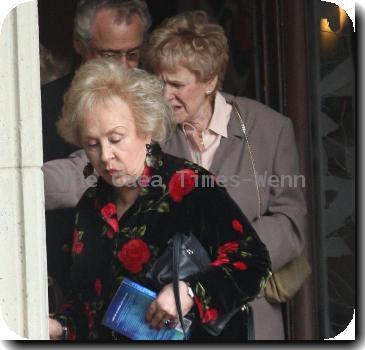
{"x":163,"y":308}
{"x":55,"y":329}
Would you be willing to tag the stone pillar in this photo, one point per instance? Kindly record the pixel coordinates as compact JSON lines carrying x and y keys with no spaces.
{"x":23,"y":264}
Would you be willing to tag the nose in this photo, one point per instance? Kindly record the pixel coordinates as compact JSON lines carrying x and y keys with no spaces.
{"x":168,"y":93}
{"x":124,"y":62}
{"x":106,"y":154}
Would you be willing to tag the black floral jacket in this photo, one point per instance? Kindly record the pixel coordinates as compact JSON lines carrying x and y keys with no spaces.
{"x":176,"y":195}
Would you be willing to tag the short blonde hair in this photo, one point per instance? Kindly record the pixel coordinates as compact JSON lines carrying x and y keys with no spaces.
{"x":98,"y":81}
{"x":190,"y":39}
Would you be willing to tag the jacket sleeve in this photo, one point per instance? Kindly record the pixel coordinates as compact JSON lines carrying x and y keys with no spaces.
{"x":282,"y":226}
{"x":75,"y":316}
{"x":64,"y":182}
{"x":240,"y":263}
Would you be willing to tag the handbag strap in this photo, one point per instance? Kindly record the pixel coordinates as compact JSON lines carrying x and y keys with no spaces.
{"x":244,"y":132}
{"x":176,"y":251}
{"x":247,"y":314}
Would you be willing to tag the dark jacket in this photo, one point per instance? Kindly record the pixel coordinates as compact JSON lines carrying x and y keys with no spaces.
{"x":59,"y":222}
{"x":106,"y":249}
{"x":283,"y":209}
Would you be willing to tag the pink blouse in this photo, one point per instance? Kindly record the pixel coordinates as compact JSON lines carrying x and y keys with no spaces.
{"x":203,"y":145}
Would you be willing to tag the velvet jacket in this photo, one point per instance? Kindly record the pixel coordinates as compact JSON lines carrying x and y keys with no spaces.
{"x":282,"y":225}
{"x":176,"y":195}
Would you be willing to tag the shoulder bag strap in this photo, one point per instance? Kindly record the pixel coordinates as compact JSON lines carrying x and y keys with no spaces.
{"x":244,"y":132}
{"x":176,"y":251}
{"x":247,"y":309}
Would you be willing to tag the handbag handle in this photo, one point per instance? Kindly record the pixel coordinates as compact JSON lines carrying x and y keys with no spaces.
{"x":176,"y":250}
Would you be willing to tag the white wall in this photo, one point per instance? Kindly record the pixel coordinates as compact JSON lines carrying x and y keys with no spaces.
{"x":23,"y":264}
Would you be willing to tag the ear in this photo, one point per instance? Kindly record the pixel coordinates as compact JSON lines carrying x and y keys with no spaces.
{"x":148,"y":138}
{"x":212,"y":84}
{"x":77,"y":47}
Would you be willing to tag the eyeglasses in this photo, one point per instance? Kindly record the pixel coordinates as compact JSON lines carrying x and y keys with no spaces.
{"x":130,"y":55}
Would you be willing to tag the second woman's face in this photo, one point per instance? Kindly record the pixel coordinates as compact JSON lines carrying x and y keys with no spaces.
{"x":109,"y":137}
{"x":187,"y":96}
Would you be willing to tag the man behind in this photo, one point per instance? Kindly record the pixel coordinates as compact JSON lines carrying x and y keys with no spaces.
{"x":102,"y":28}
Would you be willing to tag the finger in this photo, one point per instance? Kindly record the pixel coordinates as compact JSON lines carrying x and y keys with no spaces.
{"x":158,"y":319}
{"x":151,"y":310}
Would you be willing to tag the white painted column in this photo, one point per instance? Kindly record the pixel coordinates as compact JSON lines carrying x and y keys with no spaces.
{"x":23,"y":264}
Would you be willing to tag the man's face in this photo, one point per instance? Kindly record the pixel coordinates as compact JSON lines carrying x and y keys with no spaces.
{"x":119,"y":41}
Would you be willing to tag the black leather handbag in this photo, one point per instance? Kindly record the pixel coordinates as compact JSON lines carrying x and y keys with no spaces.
{"x":185,"y":256}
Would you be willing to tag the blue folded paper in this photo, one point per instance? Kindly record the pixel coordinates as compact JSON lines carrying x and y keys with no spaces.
{"x":127,"y":310}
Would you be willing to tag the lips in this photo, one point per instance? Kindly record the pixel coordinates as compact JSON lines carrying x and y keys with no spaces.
{"x":176,"y":108}
{"x":111,"y":171}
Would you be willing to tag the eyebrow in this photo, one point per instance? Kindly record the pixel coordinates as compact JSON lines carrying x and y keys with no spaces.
{"x":172,"y":81}
{"x":108,"y":133}
{"x":118,"y":51}
{"x":114,"y":129}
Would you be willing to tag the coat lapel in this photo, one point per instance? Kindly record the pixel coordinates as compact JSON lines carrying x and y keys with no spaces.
{"x":232,"y":161}
{"x":228,"y":145}
{"x":177,"y":145}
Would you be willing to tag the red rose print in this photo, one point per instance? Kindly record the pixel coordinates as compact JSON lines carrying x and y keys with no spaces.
{"x":222,"y":258}
{"x":71,"y":333}
{"x":228,"y":248}
{"x":98,"y":287}
{"x":75,"y":236}
{"x":220,"y":261}
{"x":210,"y":314}
{"x":89,"y":315}
{"x":109,"y":210}
{"x":146,"y":176}
{"x":240,"y":265}
{"x":181,"y":184}
{"x":111,"y":233}
{"x":237,"y":226}
{"x":77,"y":246}
{"x":134,"y":254}
{"x":109,"y":213}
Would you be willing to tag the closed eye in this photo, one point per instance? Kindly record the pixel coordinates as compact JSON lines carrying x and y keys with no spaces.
{"x":91,"y":145}
{"x":176,"y":85}
{"x":115,"y":140}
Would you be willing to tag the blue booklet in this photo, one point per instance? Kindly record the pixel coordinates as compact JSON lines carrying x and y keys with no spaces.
{"x":126,"y":314}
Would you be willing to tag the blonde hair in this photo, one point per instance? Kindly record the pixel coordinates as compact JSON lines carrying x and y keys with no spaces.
{"x":190,"y":39}
{"x":98,"y":81}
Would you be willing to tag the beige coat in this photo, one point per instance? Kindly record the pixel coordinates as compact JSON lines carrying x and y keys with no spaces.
{"x":282,"y":223}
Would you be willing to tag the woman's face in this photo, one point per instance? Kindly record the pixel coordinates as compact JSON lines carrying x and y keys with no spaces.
{"x":187,"y":96}
{"x":109,"y":136}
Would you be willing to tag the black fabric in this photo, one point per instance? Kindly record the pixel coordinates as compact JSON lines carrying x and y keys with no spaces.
{"x":236,"y":331}
{"x":59,"y":223}
{"x":52,"y":101}
{"x":59,"y":227}
{"x":106,"y":250}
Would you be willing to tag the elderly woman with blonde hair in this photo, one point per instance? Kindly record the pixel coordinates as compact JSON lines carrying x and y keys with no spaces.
{"x":243,"y":142}
{"x":141,"y":199}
